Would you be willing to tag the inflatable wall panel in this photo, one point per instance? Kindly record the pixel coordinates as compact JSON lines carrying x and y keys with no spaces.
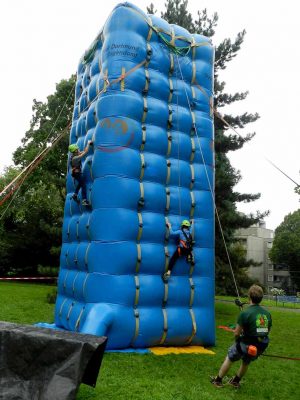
{"x":143,"y":96}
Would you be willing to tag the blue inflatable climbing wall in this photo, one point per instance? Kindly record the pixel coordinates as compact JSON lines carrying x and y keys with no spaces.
{"x":143,"y":96}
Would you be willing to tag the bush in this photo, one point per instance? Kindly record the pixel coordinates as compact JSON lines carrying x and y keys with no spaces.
{"x":47,"y":270}
{"x":51,"y":296}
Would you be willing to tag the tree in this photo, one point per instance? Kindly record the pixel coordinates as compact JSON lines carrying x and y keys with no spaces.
{"x":286,"y":245}
{"x":30,"y":228}
{"x":176,"y":12}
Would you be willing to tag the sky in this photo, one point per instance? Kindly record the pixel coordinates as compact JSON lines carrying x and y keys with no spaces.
{"x":42,"y":41}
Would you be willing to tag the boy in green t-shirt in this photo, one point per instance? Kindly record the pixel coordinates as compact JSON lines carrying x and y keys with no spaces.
{"x":251,"y":334}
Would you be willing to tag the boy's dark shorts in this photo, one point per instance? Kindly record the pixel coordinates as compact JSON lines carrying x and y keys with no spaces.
{"x":235,"y":353}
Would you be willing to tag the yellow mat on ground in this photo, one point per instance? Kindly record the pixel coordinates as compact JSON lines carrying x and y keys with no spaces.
{"x":162,"y":351}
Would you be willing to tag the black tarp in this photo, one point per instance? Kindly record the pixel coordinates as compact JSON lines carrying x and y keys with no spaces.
{"x":45,"y":364}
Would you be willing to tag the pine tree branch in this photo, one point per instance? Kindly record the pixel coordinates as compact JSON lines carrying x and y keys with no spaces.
{"x":230,"y":142}
{"x":151,"y":9}
{"x":240,"y":120}
{"x":227,"y":50}
{"x":246,"y":197}
{"x":225,"y":99}
{"x":205,"y":25}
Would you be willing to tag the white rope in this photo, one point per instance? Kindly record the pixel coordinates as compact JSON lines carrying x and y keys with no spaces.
{"x":210,"y":188}
{"x":178,"y":147}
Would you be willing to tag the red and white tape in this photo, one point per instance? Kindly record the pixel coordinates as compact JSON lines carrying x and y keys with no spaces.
{"x":31,"y":278}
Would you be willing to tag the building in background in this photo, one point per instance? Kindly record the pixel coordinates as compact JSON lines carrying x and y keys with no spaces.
{"x":258,"y":240}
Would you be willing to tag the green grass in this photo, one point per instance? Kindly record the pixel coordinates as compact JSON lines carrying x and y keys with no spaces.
{"x":180,"y":377}
{"x":265,"y":302}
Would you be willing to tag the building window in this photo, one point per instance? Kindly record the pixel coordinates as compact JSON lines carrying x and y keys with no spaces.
{"x":270,"y":278}
{"x":270,"y":267}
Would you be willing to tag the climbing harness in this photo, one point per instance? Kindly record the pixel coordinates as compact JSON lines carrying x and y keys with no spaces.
{"x":188,"y":242}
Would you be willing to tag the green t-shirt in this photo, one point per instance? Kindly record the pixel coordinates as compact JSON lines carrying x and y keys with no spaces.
{"x":255,"y":321}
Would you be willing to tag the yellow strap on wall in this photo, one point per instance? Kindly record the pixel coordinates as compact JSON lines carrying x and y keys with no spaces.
{"x":65,"y":281}
{"x":192,"y":267}
{"x":145,"y":110}
{"x":139,"y":257}
{"x":166,"y":258}
{"x":78,"y":319}
{"x":122,"y":81}
{"x":148,"y":56}
{"x":193,"y":205}
{"x":88,"y":227}
{"x":193,"y":228}
{"x":171,"y":64}
{"x":61,"y":307}
{"x":193,"y":150}
{"x":168,"y":194}
{"x":149,"y":33}
{"x":170,"y":116}
{"x":193,"y":117}
{"x":168,"y":172}
{"x":137,"y":290}
{"x":193,"y":92}
{"x":137,"y":325}
{"x":194,"y":327}
{"x":86,"y":254}
{"x":84,"y":285}
{"x":70,"y":310}
{"x":171,"y":90}
{"x":172,"y":41}
{"x":191,"y":271}
{"x":142,"y":191}
{"x":142,"y":166}
{"x":140,"y":227}
{"x":146,"y":88}
{"x":73,"y":284}
{"x":192,"y":176}
{"x":167,"y":230}
{"x":166,"y":293}
{"x":76,"y":256}
{"x":193,"y":60}
{"x":192,"y":291}
{"x":143,"y":138}
{"x":169,"y":143}
{"x":105,"y":78}
{"x":165,"y":332}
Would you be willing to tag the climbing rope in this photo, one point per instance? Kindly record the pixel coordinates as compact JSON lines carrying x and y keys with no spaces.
{"x":8,"y":191}
{"x":210,"y":188}
{"x":178,"y":145}
{"x":13,"y":188}
{"x":226,"y":123}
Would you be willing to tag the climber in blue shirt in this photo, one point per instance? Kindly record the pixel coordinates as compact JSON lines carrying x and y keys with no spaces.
{"x":184,"y":246}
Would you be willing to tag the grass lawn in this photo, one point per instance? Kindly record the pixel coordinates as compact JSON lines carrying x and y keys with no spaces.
{"x":180,"y":377}
{"x":265,"y":302}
